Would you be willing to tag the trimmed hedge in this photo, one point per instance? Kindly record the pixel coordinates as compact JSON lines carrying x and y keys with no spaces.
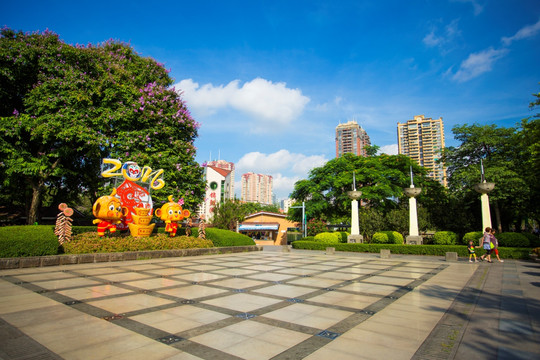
{"x":512,"y":239}
{"x":387,"y":237}
{"x":438,"y":250}
{"x":28,"y":240}
{"x":344,"y":237}
{"x":92,"y":243}
{"x":220,"y":238}
{"x":445,"y":238}
{"x":534,"y":240}
{"x":328,"y":237}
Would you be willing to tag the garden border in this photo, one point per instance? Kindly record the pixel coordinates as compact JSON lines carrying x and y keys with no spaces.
{"x":70,"y":259}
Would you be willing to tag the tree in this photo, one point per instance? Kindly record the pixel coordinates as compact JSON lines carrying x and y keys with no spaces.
{"x":63,"y":108}
{"x":501,"y":152}
{"x":380,"y":178}
{"x":228,"y":214}
{"x":251,"y":207}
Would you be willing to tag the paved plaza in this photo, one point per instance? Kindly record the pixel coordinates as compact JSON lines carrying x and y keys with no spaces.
{"x":272,"y":305}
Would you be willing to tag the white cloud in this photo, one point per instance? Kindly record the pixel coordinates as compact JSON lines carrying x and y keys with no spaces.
{"x":285,"y":167}
{"x":389,"y":149}
{"x":279,"y":161}
{"x":477,"y":7}
{"x":267,"y":102}
{"x":523,"y":33}
{"x":449,"y":34}
{"x":284,"y":185}
{"x":477,"y":64}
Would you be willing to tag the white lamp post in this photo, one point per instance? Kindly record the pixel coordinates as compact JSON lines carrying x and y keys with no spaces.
{"x":413,"y":238}
{"x":484,"y":188}
{"x":354,"y":195}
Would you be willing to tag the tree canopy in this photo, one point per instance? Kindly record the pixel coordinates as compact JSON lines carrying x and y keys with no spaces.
{"x":63,"y":108}
{"x":381,"y":180}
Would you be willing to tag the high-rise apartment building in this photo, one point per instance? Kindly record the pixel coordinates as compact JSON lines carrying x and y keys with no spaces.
{"x":422,"y":139}
{"x":257,"y":188}
{"x":225,"y":165}
{"x":351,"y":138}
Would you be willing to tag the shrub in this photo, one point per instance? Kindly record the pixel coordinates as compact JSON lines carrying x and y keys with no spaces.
{"x":328,"y":237}
{"x":379,"y":238}
{"x":28,"y":240}
{"x":512,"y":239}
{"x":91,"y":243}
{"x":221,"y":238}
{"x":444,"y":238}
{"x":344,"y":237}
{"x":473,"y":236}
{"x":315,"y":226}
{"x":534,"y":240}
{"x":387,"y":237}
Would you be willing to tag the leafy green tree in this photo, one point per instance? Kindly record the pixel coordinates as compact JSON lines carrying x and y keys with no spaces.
{"x":398,"y":219}
{"x":251,"y":208}
{"x":496,"y":147}
{"x":380,"y":178}
{"x":63,"y":108}
{"x":228,"y":214}
{"x":370,"y":220}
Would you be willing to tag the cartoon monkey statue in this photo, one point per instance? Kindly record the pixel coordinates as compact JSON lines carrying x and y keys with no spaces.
{"x":108,"y":212}
{"x":172,"y":213}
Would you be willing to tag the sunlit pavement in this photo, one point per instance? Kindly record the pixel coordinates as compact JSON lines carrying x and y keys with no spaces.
{"x":272,"y":305}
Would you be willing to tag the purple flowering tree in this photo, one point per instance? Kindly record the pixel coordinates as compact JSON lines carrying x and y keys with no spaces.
{"x":63,"y":108}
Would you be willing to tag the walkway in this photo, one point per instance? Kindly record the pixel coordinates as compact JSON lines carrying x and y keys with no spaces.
{"x":272,"y":305}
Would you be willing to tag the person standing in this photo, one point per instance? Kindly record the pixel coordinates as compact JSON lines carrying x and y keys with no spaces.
{"x":485,"y":242}
{"x":495,"y":245}
{"x":470,"y":248}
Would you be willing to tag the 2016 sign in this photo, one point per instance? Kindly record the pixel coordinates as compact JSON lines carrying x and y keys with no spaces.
{"x":132,"y":172}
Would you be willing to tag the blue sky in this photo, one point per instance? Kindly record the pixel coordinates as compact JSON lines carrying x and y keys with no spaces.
{"x":270,"y":80}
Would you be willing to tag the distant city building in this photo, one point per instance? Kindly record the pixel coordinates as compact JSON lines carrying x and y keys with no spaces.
{"x":422,"y":139}
{"x":351,"y":138}
{"x":257,"y":188}
{"x":225,"y":165}
{"x":286,"y":204}
{"x":219,"y":186}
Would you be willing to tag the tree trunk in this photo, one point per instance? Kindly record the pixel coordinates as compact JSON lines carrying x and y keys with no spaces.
{"x":33,"y":214}
{"x":498,"y":217}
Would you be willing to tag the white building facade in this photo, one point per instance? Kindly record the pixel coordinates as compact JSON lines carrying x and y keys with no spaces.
{"x":219,"y":186}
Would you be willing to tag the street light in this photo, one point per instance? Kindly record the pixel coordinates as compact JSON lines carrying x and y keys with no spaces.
{"x":304,"y":227}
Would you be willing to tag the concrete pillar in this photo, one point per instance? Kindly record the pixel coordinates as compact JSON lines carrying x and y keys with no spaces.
{"x":486,"y":215}
{"x":413,"y":217}
{"x":355,"y":224}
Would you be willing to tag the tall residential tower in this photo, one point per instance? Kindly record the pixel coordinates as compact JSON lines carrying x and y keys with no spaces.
{"x":351,"y":138}
{"x":257,"y":188}
{"x":422,"y":139}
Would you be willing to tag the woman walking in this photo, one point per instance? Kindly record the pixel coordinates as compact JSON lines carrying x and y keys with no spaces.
{"x":485,"y":242}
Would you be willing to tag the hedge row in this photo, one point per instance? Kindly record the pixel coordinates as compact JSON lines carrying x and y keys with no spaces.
{"x":505,"y":239}
{"x":27,"y":240}
{"x":221,"y":238}
{"x":438,"y":250}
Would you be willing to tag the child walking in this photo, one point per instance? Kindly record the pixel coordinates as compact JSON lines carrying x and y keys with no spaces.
{"x":471,"y":252}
